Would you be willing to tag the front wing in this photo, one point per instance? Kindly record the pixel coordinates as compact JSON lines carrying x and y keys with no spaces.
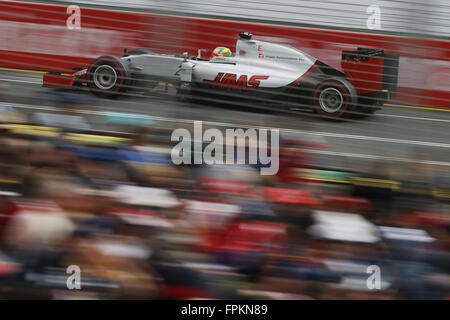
{"x":54,"y":79}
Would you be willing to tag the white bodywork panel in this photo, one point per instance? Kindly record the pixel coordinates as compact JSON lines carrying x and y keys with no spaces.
{"x":281,"y":64}
{"x":154,"y":64}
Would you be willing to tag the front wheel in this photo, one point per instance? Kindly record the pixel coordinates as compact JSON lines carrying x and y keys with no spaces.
{"x":107,"y":77}
{"x":332,"y":99}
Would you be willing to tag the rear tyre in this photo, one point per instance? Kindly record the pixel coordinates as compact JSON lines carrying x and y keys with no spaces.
{"x":107,"y":77}
{"x":332,"y":99}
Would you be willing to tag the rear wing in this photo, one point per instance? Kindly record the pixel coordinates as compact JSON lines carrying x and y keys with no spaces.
{"x":371,"y":70}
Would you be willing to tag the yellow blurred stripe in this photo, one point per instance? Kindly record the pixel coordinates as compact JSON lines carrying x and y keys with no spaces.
{"x":415,"y":107}
{"x":441,"y":193}
{"x":83,"y":137}
{"x":376,"y":183}
{"x":22,"y":70}
{"x":9,"y":181}
{"x":31,"y":130}
{"x":29,"y":71}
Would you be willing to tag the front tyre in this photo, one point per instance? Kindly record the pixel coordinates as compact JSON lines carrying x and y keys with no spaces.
{"x":332,"y":98}
{"x":107,"y":77}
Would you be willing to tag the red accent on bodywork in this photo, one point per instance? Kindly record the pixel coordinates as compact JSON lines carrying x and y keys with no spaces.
{"x":242,"y":82}
{"x":80,"y":75}
{"x":229,"y":81}
{"x":214,"y":83}
{"x":58,"y":80}
{"x":254,"y":82}
{"x":304,"y":76}
{"x":366,"y":76}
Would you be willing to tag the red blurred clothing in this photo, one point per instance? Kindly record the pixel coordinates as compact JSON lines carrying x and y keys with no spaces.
{"x":290,"y":160}
{"x":7,"y":209}
{"x":247,"y":236}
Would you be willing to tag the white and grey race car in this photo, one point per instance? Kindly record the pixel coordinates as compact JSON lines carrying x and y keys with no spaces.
{"x":258,"y":71}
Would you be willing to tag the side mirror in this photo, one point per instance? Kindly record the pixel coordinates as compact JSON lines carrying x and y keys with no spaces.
{"x":184,"y":56}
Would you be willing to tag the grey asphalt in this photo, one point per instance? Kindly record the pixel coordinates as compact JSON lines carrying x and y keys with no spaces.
{"x":394,"y":133}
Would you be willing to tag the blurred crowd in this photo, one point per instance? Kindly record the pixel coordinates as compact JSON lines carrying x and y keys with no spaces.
{"x":139,"y":227}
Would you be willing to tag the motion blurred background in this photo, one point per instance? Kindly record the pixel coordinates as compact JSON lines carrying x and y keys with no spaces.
{"x":89,"y":182}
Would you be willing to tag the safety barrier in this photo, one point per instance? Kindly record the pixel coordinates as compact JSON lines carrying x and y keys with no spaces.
{"x":59,"y":38}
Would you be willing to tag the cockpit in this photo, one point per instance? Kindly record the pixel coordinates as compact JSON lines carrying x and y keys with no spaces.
{"x":248,"y":49}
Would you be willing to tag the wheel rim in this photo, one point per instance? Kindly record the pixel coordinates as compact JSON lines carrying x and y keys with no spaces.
{"x":331,"y":100}
{"x":105,"y":77}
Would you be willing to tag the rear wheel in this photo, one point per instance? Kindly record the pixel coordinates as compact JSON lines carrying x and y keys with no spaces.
{"x":331,"y":99}
{"x":106,"y":77}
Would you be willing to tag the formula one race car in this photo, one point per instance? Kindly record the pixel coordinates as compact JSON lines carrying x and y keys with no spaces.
{"x":258,"y":71}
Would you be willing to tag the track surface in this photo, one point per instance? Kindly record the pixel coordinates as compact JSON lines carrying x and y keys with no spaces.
{"x":399,"y":133}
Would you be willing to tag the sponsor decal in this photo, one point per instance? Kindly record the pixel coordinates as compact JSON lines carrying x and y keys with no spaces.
{"x":230,"y":80}
{"x":285,"y":58}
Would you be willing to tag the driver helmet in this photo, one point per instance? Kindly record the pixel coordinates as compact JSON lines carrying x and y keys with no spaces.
{"x":221,"y":52}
